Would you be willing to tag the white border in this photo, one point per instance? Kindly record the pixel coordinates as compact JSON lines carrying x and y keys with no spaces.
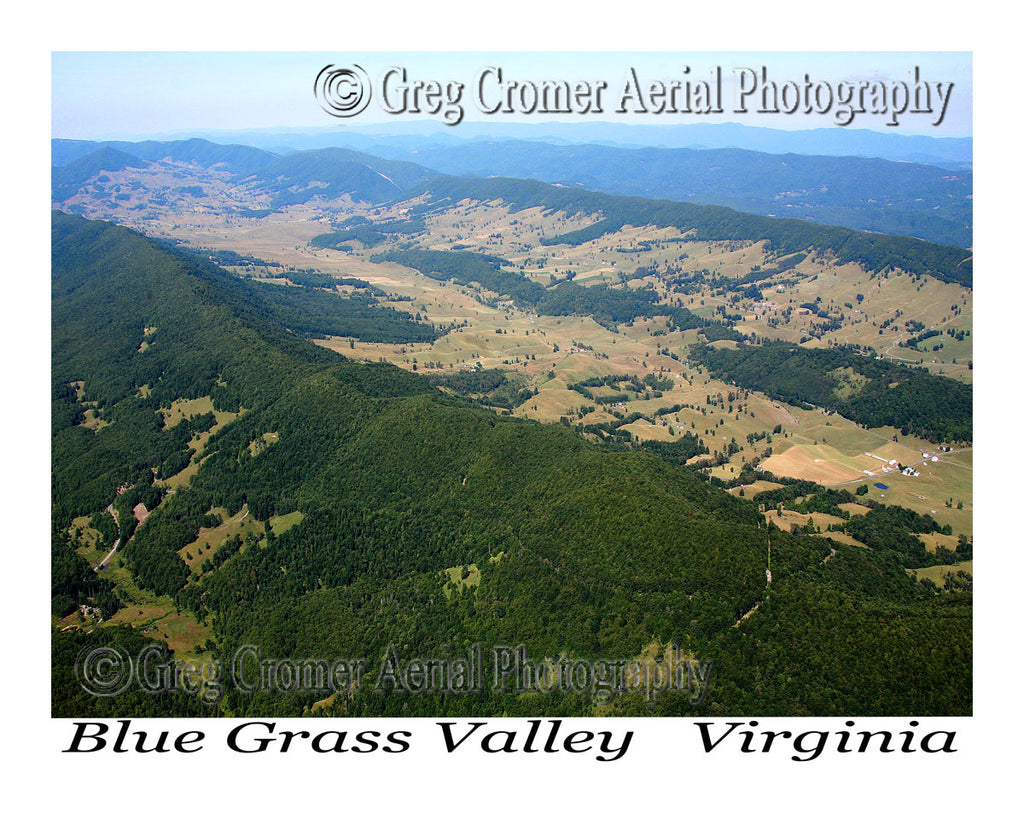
{"x":661,"y":773}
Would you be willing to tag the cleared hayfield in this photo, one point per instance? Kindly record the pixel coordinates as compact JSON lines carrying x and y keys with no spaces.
{"x":937,"y":574}
{"x":800,"y":462}
{"x":87,"y":540}
{"x":178,"y":629}
{"x":725,"y":472}
{"x":183,"y":478}
{"x":552,"y":402}
{"x":263,"y":442}
{"x":91,"y":420}
{"x":929,"y":494}
{"x":788,"y":519}
{"x":279,"y":524}
{"x":223,"y":418}
{"x":932,"y":540}
{"x":455,"y":576}
{"x":353,"y":348}
{"x":842,"y":537}
{"x":209,"y":541}
{"x":185,"y":408}
{"x":855,"y":508}
{"x":646,"y":431}
{"x":752,"y":490}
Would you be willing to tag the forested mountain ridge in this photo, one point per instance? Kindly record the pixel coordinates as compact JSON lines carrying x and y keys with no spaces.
{"x":896,"y":198}
{"x":579,"y":551}
{"x":336,"y":171}
{"x":707,"y":222}
{"x":67,"y":179}
{"x":888,"y":394}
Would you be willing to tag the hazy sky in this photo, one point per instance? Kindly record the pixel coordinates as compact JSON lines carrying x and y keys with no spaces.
{"x":138,"y":94}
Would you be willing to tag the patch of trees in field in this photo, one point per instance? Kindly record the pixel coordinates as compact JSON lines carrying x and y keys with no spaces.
{"x":883,"y":528}
{"x":465,"y":267}
{"x":490,"y":387}
{"x":314,"y":312}
{"x":912,"y":400}
{"x":234,"y":259}
{"x":369,"y":234}
{"x":614,"y":305}
{"x":893,"y":528}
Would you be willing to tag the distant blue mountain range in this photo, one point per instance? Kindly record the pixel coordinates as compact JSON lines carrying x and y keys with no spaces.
{"x":926,"y":201}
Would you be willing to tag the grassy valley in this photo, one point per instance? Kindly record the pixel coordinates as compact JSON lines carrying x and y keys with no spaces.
{"x":332,"y":380}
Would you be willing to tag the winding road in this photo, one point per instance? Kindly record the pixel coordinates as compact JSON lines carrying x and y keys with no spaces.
{"x":110,"y":554}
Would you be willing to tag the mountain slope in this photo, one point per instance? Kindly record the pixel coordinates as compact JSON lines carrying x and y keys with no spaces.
{"x":900,"y":198}
{"x":334,"y":172}
{"x":875,"y":252}
{"x":68,"y":179}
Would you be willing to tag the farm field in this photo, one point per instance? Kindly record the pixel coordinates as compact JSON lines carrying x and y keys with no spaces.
{"x":938,"y":574}
{"x":209,"y":542}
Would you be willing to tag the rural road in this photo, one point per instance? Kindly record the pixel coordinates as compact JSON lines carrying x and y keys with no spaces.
{"x":110,"y":554}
